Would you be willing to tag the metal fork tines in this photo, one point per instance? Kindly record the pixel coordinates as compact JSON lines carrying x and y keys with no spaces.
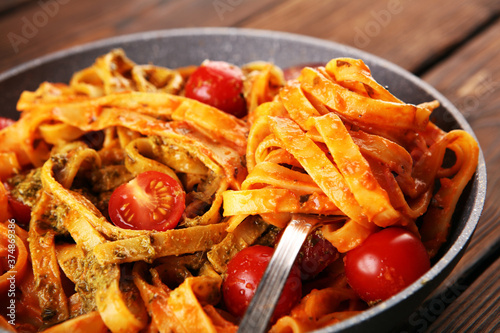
{"x":268,"y":292}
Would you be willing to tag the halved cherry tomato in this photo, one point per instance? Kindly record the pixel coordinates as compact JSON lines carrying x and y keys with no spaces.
{"x":219,"y":84}
{"x":385,"y":263}
{"x":4,"y":122}
{"x":151,"y":201}
{"x":244,"y":273}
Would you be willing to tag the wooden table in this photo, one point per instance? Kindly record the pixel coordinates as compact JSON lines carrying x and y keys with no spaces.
{"x":452,"y":44}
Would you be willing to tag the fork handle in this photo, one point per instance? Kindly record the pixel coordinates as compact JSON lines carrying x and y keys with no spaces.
{"x":268,"y":292}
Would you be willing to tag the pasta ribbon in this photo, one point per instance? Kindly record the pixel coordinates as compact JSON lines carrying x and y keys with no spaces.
{"x":356,"y":171}
{"x":160,"y":244}
{"x":168,"y":307}
{"x":374,"y":112}
{"x":338,"y":138}
{"x":16,"y":258}
{"x":113,"y":121}
{"x":436,"y":224}
{"x":321,"y":306}
{"x":333,"y":142}
{"x":355,"y":74}
{"x":88,"y":322}
{"x":52,"y":299}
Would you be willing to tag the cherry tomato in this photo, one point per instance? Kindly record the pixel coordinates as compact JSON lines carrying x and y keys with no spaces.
{"x":385,"y":263}
{"x":244,"y":273}
{"x":4,"y":122}
{"x":151,"y":201}
{"x":219,"y":84}
{"x":315,"y":255}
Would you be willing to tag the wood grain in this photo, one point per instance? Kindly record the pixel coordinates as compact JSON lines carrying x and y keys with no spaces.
{"x":408,"y":33}
{"x":476,"y":310}
{"x":368,"y":25}
{"x":77,"y":22}
{"x":9,"y":4}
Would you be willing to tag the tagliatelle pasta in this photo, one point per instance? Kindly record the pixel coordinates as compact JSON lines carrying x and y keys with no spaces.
{"x":331,"y":142}
{"x":346,"y":134}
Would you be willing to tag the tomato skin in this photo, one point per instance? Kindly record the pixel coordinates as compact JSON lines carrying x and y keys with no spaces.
{"x":151,"y":201}
{"x":219,"y":84}
{"x":244,"y":273}
{"x":385,"y":263}
{"x":5,"y":122}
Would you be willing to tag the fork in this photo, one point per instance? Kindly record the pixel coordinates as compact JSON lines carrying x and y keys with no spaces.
{"x":261,"y":308}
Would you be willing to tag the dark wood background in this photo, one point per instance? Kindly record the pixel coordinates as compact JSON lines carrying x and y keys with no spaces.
{"x":452,"y":44}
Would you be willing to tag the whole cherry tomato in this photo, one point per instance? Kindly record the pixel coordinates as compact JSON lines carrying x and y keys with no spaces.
{"x":4,"y":122}
{"x":219,"y":84}
{"x":385,"y":263}
{"x":151,"y":201}
{"x":244,"y":273}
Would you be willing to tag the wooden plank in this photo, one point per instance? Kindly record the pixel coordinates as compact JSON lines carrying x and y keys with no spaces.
{"x":477,"y":309}
{"x":9,"y":4}
{"x":392,"y":29}
{"x":471,"y":77}
{"x":408,"y":33}
{"x":35,"y":30}
{"x":465,"y":305}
